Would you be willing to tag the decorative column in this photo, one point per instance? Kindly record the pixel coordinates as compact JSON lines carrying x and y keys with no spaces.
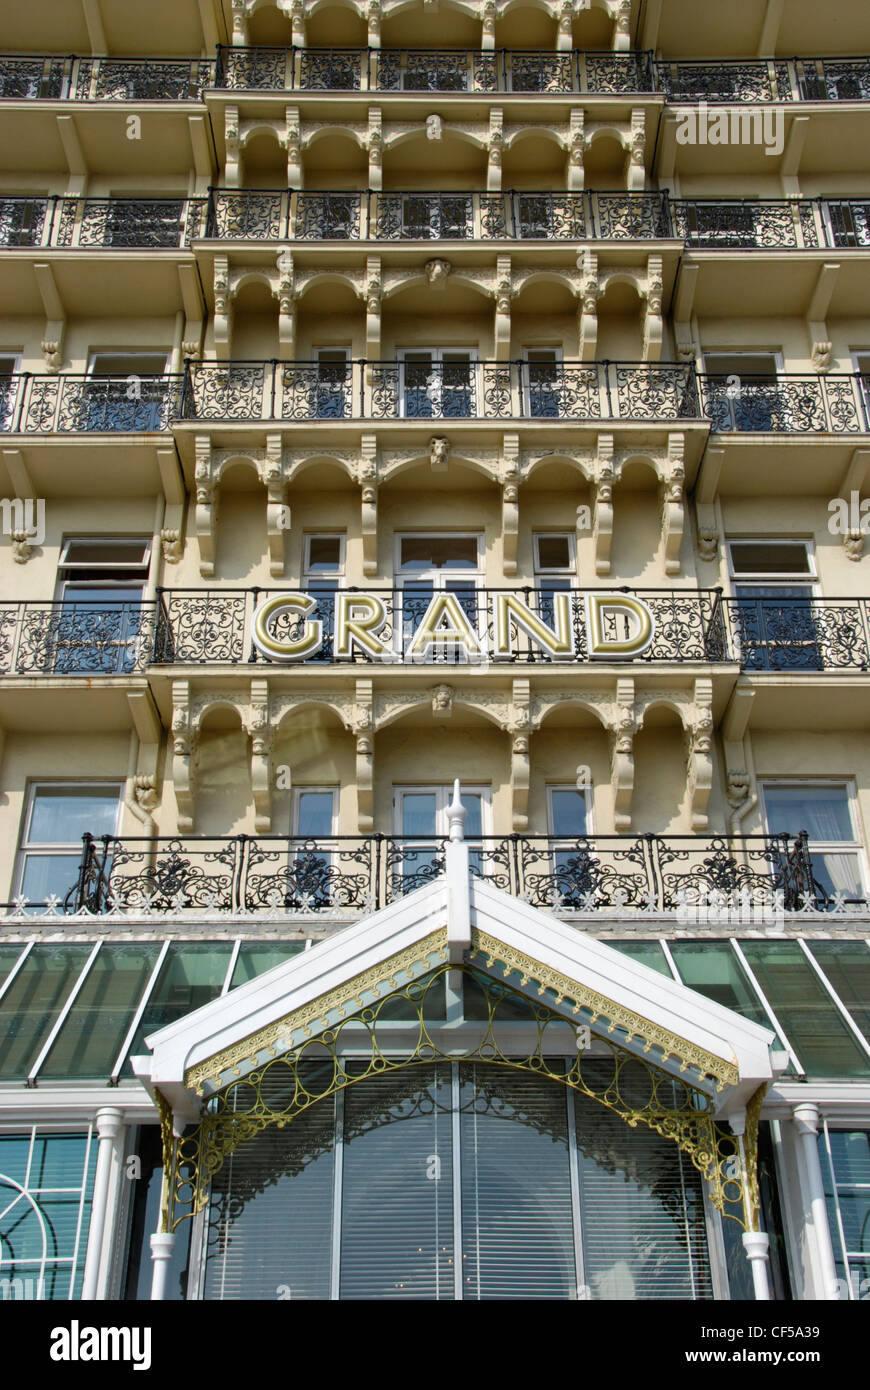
{"x":487,"y":41}
{"x":495,"y":150}
{"x":636,"y":172}
{"x":587,"y":313}
{"x":297,"y":19}
{"x":602,"y":518}
{"x":673,"y":503}
{"x":240,"y":23}
{"x":652,"y":324}
{"x":362,"y":726}
{"x":699,"y":731}
{"x":373,"y":15}
{"x":204,"y":516}
{"x":502,"y":333}
{"x":520,"y":731}
{"x":182,"y":755}
{"x":565,"y":33}
{"x":806,"y":1121}
{"x":162,"y":1250}
{"x":622,"y":34}
{"x":576,"y":149}
{"x":756,"y":1243}
{"x":292,"y":142}
{"x":110,"y":1124}
{"x":373,"y":293}
{"x":367,"y":476}
{"x":260,"y":730}
{"x":232,"y":141}
{"x":286,"y":305}
{"x":375,"y":146}
{"x":622,"y":755}
{"x":222,"y":308}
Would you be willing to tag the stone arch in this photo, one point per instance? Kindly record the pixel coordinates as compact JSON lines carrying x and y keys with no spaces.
{"x":583,"y":467}
{"x":314,"y":460}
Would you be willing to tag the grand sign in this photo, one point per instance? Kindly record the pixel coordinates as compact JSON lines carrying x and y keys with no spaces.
{"x":618,"y":627}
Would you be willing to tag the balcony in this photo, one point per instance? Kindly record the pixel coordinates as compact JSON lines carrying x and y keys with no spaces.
{"x":79,"y":404}
{"x":152,"y":224}
{"x":26,"y":78}
{"x":431,"y":70}
{"x":771,"y":225}
{"x":93,"y":638}
{"x":774,"y":79}
{"x":350,"y":876}
{"x":434,"y":390}
{"x":285,"y":215}
{"x":787,"y":404}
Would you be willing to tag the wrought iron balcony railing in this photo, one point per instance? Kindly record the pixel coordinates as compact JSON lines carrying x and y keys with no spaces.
{"x":25,"y":77}
{"x":438,"y":390}
{"x":212,"y":627}
{"x":431,"y":70}
{"x":713,"y":224}
{"x":282,"y":215}
{"x":787,"y":404}
{"x":347,"y":876}
{"x":76,"y":404}
{"x":767,"y":79}
{"x":109,"y":223}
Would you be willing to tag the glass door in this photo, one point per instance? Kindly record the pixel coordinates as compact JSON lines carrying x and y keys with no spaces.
{"x":775,"y":613}
{"x":420,"y":818}
{"x":100,"y":625}
{"x":312,"y":848}
{"x":430,"y":564}
{"x":437,"y":383}
{"x":545,"y":383}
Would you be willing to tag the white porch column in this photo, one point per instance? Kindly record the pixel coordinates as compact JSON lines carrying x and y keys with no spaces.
{"x":806,"y":1119}
{"x":109,"y":1124}
{"x":162,"y":1248}
{"x":757,"y":1245}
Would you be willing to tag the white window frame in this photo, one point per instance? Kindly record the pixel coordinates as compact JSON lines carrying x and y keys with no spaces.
{"x":568,"y":571}
{"x":754,"y":579}
{"x":437,"y":354}
{"x":437,"y":576}
{"x":296,"y":796}
{"x":528,"y":361}
{"x":775,"y":353}
{"x":854,"y":847}
{"x":585,"y":792}
{"x":101,"y":542}
{"x":45,"y":849}
{"x":96,"y":353}
{"x":838,"y":1234}
{"x":318,"y":576}
{"x":443,"y":796}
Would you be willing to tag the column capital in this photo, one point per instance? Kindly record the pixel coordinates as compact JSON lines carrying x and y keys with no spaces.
{"x":806,"y":1118}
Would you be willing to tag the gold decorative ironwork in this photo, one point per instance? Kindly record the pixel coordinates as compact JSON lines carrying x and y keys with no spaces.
{"x":360,"y":1047}
{"x":599,"y":1006}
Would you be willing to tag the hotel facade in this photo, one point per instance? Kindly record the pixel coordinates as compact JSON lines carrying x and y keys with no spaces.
{"x":435,"y":650}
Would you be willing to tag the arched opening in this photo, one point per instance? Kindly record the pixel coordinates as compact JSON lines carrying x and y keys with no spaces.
{"x":333,"y":25}
{"x":255,"y":321}
{"x":241,"y":526}
{"x":417,"y":27}
{"x":263,"y":163}
{"x":526,"y":27}
{"x":223,"y":782}
{"x":637,"y":530}
{"x":604,"y":164}
{"x":268,"y":26}
{"x":620,"y":336}
{"x":334,"y":160}
{"x":660,"y":772}
{"x":434,"y":158}
{"x":534,"y":161}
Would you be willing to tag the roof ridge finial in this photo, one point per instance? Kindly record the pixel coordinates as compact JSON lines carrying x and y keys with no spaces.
{"x":456,"y":814}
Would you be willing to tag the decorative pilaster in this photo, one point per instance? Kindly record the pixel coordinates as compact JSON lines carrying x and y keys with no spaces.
{"x":286,"y":297}
{"x":375,"y":146}
{"x":510,"y":508}
{"x":673,"y":503}
{"x":487,"y":41}
{"x":297,"y":19}
{"x":183,"y":743}
{"x":576,"y":149}
{"x":587,"y":313}
{"x":565,"y":32}
{"x":699,"y":732}
{"x":292,"y":142}
{"x":373,"y":292}
{"x":368,"y":480}
{"x":636,"y":172}
{"x":622,"y":754}
{"x":277,"y":512}
{"x":232,"y":141}
{"x":260,"y":730}
{"x":652,"y":324}
{"x":495,"y":150}
{"x":602,"y":515}
{"x":362,"y":726}
{"x":222,"y":308}
{"x":622,"y":33}
{"x":520,"y":730}
{"x":204,"y":515}
{"x":503,"y":308}
{"x":373,"y":16}
{"x":240,"y":23}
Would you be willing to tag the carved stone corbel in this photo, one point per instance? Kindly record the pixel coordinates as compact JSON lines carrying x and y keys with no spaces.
{"x":183,"y":750}
{"x":286,"y":296}
{"x":520,"y":730}
{"x":296,"y":9}
{"x":487,"y":16}
{"x":587,"y":312}
{"x":673,"y":503}
{"x":292,"y":142}
{"x":362,"y":726}
{"x":375,"y":146}
{"x":853,"y":544}
{"x":233,"y":143}
{"x":495,"y":150}
{"x":510,"y":508}
{"x":576,"y":149}
{"x":652,"y":324}
{"x":367,"y":475}
{"x":699,"y":734}
{"x":277,"y":511}
{"x":259,"y":727}
{"x":171,"y":544}
{"x":222,"y":308}
{"x":821,"y":357}
{"x":565,"y":32}
{"x":503,"y":308}
{"x":240,"y":23}
{"x":204,"y":514}
{"x":373,"y":18}
{"x":602,"y":513}
{"x":622,"y":754}
{"x":636,"y":172}
{"x":622,"y":34}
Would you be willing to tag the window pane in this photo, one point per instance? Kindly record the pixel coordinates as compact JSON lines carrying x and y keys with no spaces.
{"x":397,"y":1226}
{"x":439,"y":552}
{"x":554,"y":552}
{"x":324,"y":554}
{"x":88,"y":1043}
{"x":647,"y":952}
{"x":255,"y":960}
{"x":8,"y":957}
{"x":712,"y":968}
{"x":473,"y":803}
{"x":418,"y":813}
{"x":850,"y":1150}
{"x":756,"y":557}
{"x":49,"y":875}
{"x":192,"y":975}
{"x":61,"y":815}
{"x":822,"y":811}
{"x":568,"y":811}
{"x":33,"y":1002}
{"x":805,"y":1010}
{"x":44,"y":1229}
{"x":114,"y":552}
{"x":314,"y":814}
